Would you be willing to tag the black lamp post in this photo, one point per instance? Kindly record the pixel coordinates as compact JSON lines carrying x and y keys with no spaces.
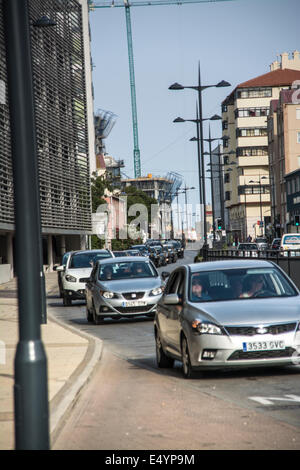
{"x":199,"y":88}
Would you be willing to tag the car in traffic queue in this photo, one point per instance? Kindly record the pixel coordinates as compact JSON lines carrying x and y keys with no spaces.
{"x":154,"y":256}
{"x":262,"y":243}
{"x":275,"y":245}
{"x":228,"y":314}
{"x":247,"y":249}
{"x":143,"y":249}
{"x":122,"y":287}
{"x":60,"y":273}
{"x":290,"y":242}
{"x":172,"y":253}
{"x":76,"y":273}
{"x":163,"y":255}
{"x":119,"y":253}
{"x":178,"y":247}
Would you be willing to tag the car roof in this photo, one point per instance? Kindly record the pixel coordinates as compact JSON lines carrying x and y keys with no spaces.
{"x":92,"y":251}
{"x":125,"y":259}
{"x":229,"y":264}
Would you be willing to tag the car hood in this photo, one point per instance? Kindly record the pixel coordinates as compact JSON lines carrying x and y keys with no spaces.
{"x":79,"y":272}
{"x":131,"y":285}
{"x":252,"y":311}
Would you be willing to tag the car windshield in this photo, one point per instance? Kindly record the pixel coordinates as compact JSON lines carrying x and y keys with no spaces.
{"x":86,"y":260}
{"x":233,"y":284}
{"x":126,"y":270}
{"x":291,"y":240}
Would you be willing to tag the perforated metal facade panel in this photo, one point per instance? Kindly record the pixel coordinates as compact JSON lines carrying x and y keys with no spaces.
{"x":61,"y":119}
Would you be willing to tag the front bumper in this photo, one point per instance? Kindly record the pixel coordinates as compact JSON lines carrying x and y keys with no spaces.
{"x":229,"y":351}
{"x":74,"y":290}
{"x":120,"y":307}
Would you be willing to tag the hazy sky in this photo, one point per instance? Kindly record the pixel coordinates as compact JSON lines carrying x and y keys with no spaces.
{"x":233,"y":40}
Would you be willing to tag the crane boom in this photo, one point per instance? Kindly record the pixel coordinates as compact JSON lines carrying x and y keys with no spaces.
{"x":138,"y":3}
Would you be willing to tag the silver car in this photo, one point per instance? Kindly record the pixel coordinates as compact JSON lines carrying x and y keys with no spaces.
{"x":222,"y":314}
{"x":122,"y":287}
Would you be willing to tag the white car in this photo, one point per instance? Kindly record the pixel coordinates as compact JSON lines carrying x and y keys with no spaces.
{"x":289,"y":242}
{"x":76,"y":273}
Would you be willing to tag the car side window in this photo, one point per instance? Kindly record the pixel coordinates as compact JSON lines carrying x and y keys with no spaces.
{"x":174,"y":283}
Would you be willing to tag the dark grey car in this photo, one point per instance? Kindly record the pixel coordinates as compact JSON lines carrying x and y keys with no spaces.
{"x":222,"y":314}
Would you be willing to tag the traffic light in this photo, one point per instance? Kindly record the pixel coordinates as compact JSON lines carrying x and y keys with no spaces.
{"x":219,"y":224}
{"x":297,"y":220}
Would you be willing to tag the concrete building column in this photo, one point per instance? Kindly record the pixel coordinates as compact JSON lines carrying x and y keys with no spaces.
{"x":50,"y":253}
{"x":10,"y":256}
{"x":62,"y":245}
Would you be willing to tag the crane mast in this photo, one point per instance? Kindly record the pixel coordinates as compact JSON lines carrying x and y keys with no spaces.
{"x":126,"y":5}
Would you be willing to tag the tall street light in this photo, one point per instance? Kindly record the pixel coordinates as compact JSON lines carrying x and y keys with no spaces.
{"x":199,"y":88}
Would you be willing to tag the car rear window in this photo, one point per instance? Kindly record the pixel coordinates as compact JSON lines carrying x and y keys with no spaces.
{"x":291,"y":240}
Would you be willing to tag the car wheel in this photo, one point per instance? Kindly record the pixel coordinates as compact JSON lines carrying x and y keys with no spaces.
{"x":98,"y":319}
{"x":162,"y":360}
{"x":89,"y":314}
{"x":187,"y":369}
{"x":67,"y":301}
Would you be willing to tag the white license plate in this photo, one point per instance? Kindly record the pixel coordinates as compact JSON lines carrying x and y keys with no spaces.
{"x":134,"y":303}
{"x":263,"y":346}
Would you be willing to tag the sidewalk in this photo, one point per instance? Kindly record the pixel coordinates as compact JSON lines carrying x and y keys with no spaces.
{"x":71,"y":358}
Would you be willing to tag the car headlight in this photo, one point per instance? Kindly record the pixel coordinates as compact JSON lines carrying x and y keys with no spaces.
{"x":70,"y":278}
{"x":107,"y":294}
{"x":156,"y":291}
{"x":204,"y":328}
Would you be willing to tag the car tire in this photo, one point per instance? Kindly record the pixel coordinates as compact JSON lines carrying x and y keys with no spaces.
{"x":162,"y":360}
{"x":67,"y":301}
{"x":187,"y":369}
{"x":98,"y":319}
{"x":89,"y":315}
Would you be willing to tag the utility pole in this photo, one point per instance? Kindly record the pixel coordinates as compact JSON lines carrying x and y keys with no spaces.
{"x":30,"y":387}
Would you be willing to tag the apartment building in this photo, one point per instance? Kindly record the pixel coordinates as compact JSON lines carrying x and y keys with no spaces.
{"x":63,"y":102}
{"x":284,"y":152}
{"x":244,"y":115}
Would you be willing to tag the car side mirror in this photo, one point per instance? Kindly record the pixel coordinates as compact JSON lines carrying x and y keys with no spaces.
{"x":171,"y":299}
{"x":165,"y":274}
{"x":60,"y":268}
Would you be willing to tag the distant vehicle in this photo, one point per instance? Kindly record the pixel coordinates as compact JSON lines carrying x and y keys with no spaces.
{"x":60,"y":273}
{"x":178,"y":247}
{"x":247,"y":249}
{"x":76,"y":273}
{"x":275,"y":245}
{"x":154,"y":256}
{"x":117,"y":254}
{"x":133,"y":252}
{"x":123,"y":287}
{"x":262,"y":243}
{"x":151,"y":242}
{"x":226,"y":314}
{"x":163,"y":255}
{"x":290,"y":241}
{"x":173,"y":256}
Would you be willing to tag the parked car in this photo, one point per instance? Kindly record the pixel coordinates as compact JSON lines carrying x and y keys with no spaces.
{"x":76,"y":273}
{"x":262,"y":243}
{"x":226,"y":314}
{"x":247,"y":249}
{"x":123,"y":287}
{"x":60,"y":273}
{"x":290,"y":241}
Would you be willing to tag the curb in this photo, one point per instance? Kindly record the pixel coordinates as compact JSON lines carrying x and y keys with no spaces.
{"x":63,"y":402}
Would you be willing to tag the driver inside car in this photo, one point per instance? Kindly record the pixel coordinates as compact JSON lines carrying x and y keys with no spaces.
{"x":252,"y":286}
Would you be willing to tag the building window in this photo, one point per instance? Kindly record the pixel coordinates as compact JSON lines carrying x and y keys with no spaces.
{"x":227,"y":196}
{"x":252,"y":151}
{"x":254,"y":93}
{"x":224,"y":125}
{"x":251,"y":112}
{"x":298,"y":137}
{"x":224,"y":108}
{"x":252,"y":132}
{"x":298,"y":113}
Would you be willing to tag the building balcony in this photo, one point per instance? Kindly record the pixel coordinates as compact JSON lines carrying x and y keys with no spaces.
{"x":261,"y":160}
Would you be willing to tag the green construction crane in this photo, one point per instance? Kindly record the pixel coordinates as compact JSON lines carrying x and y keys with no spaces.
{"x":126,"y":4}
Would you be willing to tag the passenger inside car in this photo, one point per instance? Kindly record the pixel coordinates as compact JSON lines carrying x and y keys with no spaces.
{"x":107,"y":273}
{"x":199,"y":289}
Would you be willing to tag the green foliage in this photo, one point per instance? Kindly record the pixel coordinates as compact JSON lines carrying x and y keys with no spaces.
{"x":99,"y":184}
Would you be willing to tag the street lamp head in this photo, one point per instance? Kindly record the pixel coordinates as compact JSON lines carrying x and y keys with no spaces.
{"x":215,"y":117}
{"x":179,"y":119}
{"x":222,"y":84}
{"x":176,"y":86}
{"x":193,"y":139}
